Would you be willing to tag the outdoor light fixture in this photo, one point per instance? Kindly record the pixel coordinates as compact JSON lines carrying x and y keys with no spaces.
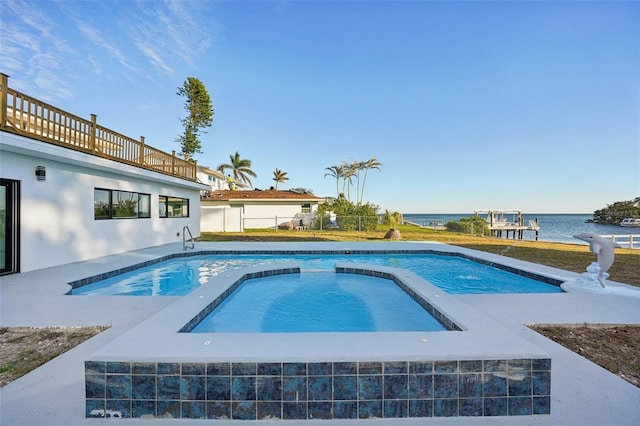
{"x":41,"y":173}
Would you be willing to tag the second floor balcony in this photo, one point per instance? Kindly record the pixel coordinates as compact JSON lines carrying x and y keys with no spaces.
{"x":26,"y":116}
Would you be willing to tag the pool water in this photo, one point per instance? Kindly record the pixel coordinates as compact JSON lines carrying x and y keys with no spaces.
{"x":453,"y":274}
{"x":317,"y":302}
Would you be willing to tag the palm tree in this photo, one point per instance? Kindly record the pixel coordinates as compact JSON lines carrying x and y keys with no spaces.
{"x":335,"y":172}
{"x":358,"y":166}
{"x":279,"y":176}
{"x":241,"y":169}
{"x":348,"y":173}
{"x":372,"y":163}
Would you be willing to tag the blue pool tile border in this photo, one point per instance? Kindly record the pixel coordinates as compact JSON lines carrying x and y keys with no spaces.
{"x":318,"y":390}
{"x":99,"y":277}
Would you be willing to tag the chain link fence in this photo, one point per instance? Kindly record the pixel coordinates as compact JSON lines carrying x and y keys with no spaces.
{"x":313,"y":221}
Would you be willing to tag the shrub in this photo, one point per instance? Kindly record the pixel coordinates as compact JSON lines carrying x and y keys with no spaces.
{"x":322,"y":221}
{"x":368,"y":214}
{"x":392,"y":219}
{"x":469,"y":225}
{"x":351,"y":217}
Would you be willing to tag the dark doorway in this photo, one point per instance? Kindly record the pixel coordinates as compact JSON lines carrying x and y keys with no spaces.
{"x":9,"y":226}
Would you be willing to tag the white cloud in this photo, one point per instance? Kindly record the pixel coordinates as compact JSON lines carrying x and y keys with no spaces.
{"x":52,"y":87}
{"x":31,"y":15}
{"x":97,"y":68}
{"x":30,"y":45}
{"x":51,"y":48}
{"x":170,"y":34}
{"x":93,"y":36}
{"x":189,"y":36}
{"x":14,"y":37}
{"x":155,"y":58}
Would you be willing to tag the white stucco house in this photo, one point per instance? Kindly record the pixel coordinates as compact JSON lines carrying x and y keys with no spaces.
{"x":235,"y":211}
{"x":72,"y":190}
{"x":214,"y":179}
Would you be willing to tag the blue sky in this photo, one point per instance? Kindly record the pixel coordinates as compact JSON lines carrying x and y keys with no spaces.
{"x":468,"y":105}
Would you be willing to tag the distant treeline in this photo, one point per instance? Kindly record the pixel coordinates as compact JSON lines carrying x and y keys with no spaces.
{"x":614,"y":213}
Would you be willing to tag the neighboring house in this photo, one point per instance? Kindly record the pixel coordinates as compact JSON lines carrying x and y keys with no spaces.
{"x":72,"y":190}
{"x":235,"y":211}
{"x":214,"y":179}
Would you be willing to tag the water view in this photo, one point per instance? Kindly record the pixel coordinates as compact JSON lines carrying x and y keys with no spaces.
{"x":553,"y":227}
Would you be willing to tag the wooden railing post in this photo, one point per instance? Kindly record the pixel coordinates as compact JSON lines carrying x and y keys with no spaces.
{"x":92,"y":134}
{"x":4,"y":80}
{"x":173,"y":163}
{"x":141,"y":161}
{"x":194,"y":175}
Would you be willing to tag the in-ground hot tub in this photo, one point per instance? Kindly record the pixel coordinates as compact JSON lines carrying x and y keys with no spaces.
{"x":317,"y":301}
{"x":158,"y":369}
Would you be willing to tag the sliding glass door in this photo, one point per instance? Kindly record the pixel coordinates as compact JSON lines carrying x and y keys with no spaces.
{"x":9,"y":226}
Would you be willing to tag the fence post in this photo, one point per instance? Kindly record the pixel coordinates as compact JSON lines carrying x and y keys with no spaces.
{"x":173,"y":163}
{"x":4,"y":80}
{"x":141,"y":154}
{"x":276,"y":224}
{"x":359,"y":223}
{"x":92,"y":133}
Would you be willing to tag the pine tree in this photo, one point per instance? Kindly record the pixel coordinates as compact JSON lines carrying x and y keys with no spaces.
{"x":200,"y":115}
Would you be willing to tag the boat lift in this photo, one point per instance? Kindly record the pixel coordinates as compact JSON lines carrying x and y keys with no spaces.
{"x":499,"y":224}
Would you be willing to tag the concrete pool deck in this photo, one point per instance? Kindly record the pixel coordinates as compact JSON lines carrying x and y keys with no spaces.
{"x":582,"y":392}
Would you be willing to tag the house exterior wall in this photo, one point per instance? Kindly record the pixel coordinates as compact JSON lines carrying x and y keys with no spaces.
{"x":57,"y":224}
{"x":271,"y":215}
{"x":221,"y":219}
{"x":215,"y":183}
{"x":233,"y":217}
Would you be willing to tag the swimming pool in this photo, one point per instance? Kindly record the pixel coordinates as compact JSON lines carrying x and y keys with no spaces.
{"x":475,"y":368}
{"x":318,"y":302}
{"x":179,"y":276}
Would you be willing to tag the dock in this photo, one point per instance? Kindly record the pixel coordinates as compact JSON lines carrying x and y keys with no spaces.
{"x":503,"y":222}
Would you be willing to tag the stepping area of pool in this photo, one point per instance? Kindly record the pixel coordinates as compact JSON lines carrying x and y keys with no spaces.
{"x":144,"y":329}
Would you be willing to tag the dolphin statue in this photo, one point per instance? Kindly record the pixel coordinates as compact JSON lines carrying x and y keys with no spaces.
{"x":601,"y":247}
